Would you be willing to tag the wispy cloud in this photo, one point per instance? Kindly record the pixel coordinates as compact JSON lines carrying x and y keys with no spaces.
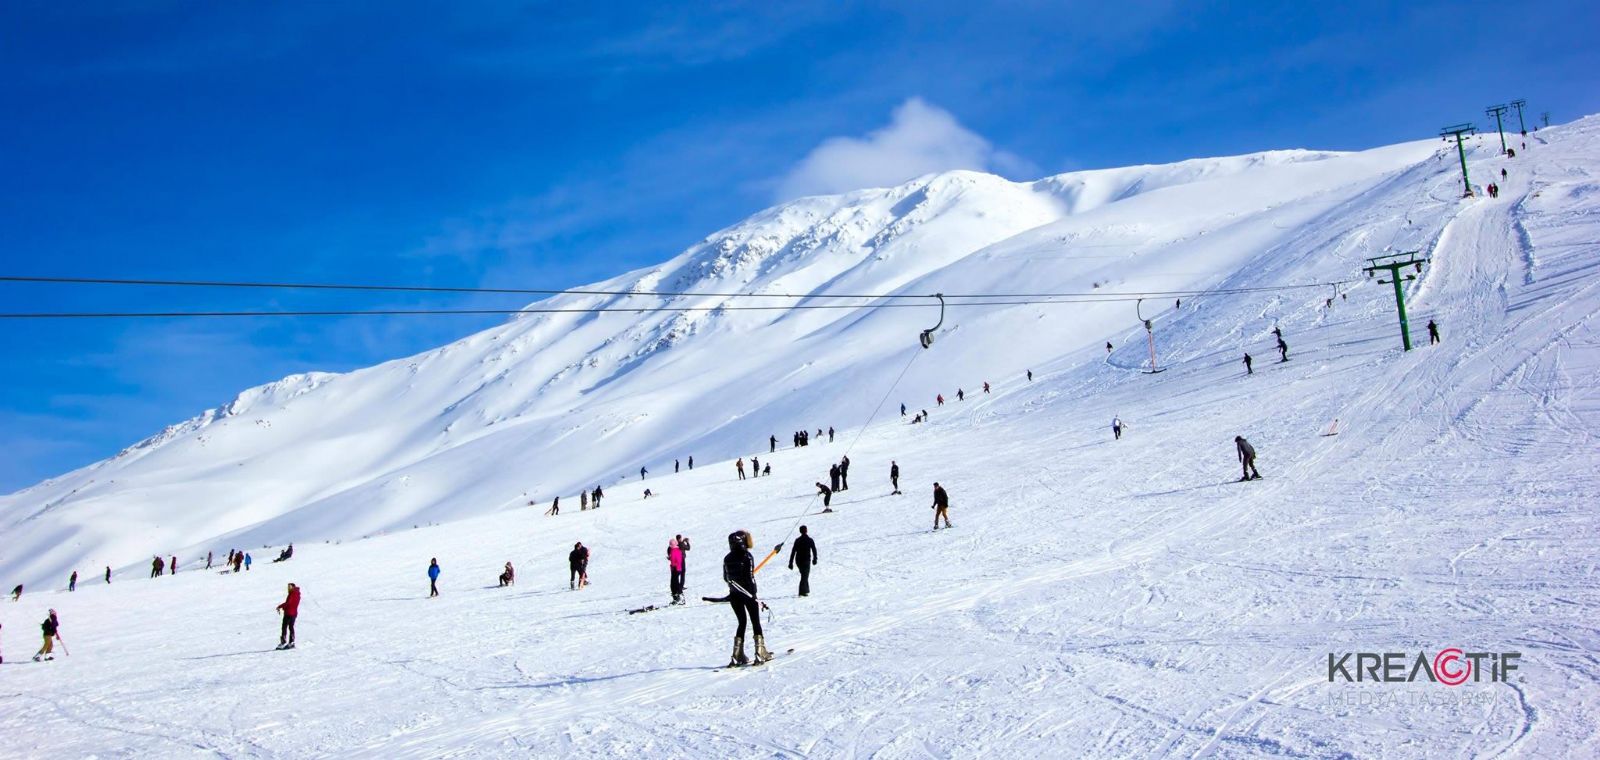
{"x":920,"y":139}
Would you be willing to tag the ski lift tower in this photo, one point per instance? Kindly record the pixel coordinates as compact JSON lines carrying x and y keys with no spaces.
{"x":1497,"y":112}
{"x":1457,"y":131}
{"x":1393,"y":264}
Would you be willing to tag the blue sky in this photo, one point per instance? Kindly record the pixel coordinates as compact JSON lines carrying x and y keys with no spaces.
{"x":548,"y":145}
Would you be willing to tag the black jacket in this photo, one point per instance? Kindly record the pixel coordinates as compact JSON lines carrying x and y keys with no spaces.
{"x":578,"y":557}
{"x":49,"y":626}
{"x":804,"y":552}
{"x":738,"y":569}
{"x":1246,"y":451}
{"x":940,"y":498}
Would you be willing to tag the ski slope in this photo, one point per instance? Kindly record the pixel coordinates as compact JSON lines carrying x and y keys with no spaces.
{"x":1096,"y":597}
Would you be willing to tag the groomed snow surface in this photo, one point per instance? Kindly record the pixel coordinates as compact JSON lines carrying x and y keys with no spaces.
{"x":1096,"y":597}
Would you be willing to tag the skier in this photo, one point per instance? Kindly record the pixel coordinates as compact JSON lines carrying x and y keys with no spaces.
{"x":1247,"y":369}
{"x":509,"y":577}
{"x":739,"y":465}
{"x":674,"y":467}
{"x":578,"y":564}
{"x":755,"y":467}
{"x":286,"y":554}
{"x":72,"y":583}
{"x":583,"y":501}
{"x":844,"y":473}
{"x":766,"y":469}
{"x":833,"y":477}
{"x":173,"y":565}
{"x":738,"y":570}
{"x":1433,"y":332}
{"x":804,"y":553}
{"x":1247,"y":458}
{"x":1502,"y":174}
{"x":108,"y":575}
{"x":555,"y":507}
{"x":433,"y":578}
{"x":1108,"y":348}
{"x":902,"y":409}
{"x":691,"y":462}
{"x":642,"y":473}
{"x":675,"y":567}
{"x":961,"y":395}
{"x":290,"y":609}
{"x":894,"y":477}
{"x":1283,"y":350}
{"x":772,"y":443}
{"x":595,"y":498}
{"x":52,"y":633}
{"x":156,"y":567}
{"x":16,"y":593}
{"x":986,"y":386}
{"x":247,"y":560}
{"x":830,"y":435}
{"x":238,"y":560}
{"x":208,"y":560}
{"x":827,"y":497}
{"x":1116,"y":428}
{"x":1030,"y":375}
{"x":647,"y":493}
{"x":939,"y":398}
{"x":941,"y":506}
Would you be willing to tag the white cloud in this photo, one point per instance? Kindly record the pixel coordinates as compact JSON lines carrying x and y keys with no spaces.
{"x":919,"y":139}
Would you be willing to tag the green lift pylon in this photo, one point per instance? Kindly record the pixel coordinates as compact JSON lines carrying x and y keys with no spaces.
{"x":1392,"y":264}
{"x":1497,"y":112}
{"x":1457,"y":131}
{"x":1520,"y":104}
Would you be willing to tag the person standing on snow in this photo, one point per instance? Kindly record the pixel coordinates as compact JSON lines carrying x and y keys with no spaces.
{"x":578,"y":564}
{"x":642,"y":473}
{"x":772,"y":444}
{"x":894,"y":477}
{"x":691,"y":462}
{"x":291,"y":610}
{"x":738,"y":571}
{"x":986,"y":386}
{"x":595,"y":498}
{"x":674,"y":467}
{"x":961,"y":395}
{"x":830,"y":434}
{"x":739,"y":465}
{"x":247,"y":560}
{"x":1030,"y":375}
{"x":1433,"y":332}
{"x":833,"y":478}
{"x":208,"y":560}
{"x":108,"y":575}
{"x":675,"y":563}
{"x":939,"y":398}
{"x":433,"y":578}
{"x":1247,"y":369}
{"x":156,"y":567}
{"x":827,"y":497}
{"x":941,"y":506}
{"x":805,"y":554}
{"x":52,"y":633}
{"x":238,"y":560}
{"x":72,"y":583}
{"x":902,"y":410}
{"x":1283,"y":350}
{"x":1116,"y":428}
{"x":173,"y":565}
{"x":1247,"y":458}
{"x":755,"y":467}
{"x":844,"y":473}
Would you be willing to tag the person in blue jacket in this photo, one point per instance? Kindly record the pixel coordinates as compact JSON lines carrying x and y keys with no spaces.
{"x":433,"y":577}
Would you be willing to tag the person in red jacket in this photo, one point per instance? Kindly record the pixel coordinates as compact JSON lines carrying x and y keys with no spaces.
{"x":290,"y":609}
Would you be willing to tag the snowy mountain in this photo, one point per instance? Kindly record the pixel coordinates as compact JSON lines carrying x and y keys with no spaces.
{"x":1096,"y":597}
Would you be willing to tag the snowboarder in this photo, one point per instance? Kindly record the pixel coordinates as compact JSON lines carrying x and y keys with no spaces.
{"x":986,"y":386}
{"x":894,"y":477}
{"x":1116,"y":428}
{"x":594,"y":499}
{"x":739,"y":465}
{"x":805,"y":554}
{"x":844,"y":473}
{"x":578,"y":564}
{"x":290,"y":607}
{"x":675,"y":564}
{"x":72,"y":583}
{"x":1283,"y":350}
{"x":833,"y":477}
{"x":52,"y":633}
{"x":941,"y":506}
{"x":433,"y":578}
{"x":1247,"y":369}
{"x":830,"y":435}
{"x":738,"y":570}
{"x":827,"y":496}
{"x":772,"y":444}
{"x":509,"y":577}
{"x":1247,"y":458}
{"x":1433,"y":332}
{"x":642,"y":473}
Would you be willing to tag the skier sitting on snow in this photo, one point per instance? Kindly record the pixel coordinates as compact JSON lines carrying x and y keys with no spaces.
{"x":287,"y":553}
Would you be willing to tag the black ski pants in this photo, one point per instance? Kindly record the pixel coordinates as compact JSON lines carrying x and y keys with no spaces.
{"x":677,"y":583}
{"x":805,"y":578}
{"x":286,"y":633}
{"x":745,"y":607}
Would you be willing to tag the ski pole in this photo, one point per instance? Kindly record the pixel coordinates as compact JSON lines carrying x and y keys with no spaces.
{"x":63,"y":645}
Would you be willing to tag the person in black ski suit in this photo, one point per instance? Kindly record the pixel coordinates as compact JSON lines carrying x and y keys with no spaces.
{"x":844,"y":473}
{"x":1247,"y":457}
{"x":830,"y":435}
{"x":578,"y":564}
{"x":1283,"y":350}
{"x":595,"y":500}
{"x":804,"y":554}
{"x":772,"y":444}
{"x":1433,"y":332}
{"x":827,"y":496}
{"x":72,"y":583}
{"x":833,"y":477}
{"x":1247,"y":369}
{"x":894,"y":477}
{"x":738,"y":570}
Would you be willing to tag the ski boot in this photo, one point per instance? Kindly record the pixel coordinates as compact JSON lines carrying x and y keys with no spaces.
{"x":738,"y":653}
{"x":762,"y":655}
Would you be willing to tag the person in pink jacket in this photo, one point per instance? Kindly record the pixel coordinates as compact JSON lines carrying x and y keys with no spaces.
{"x":676,"y":549}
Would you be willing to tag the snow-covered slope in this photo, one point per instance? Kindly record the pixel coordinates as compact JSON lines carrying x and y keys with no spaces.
{"x":1096,"y":597}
